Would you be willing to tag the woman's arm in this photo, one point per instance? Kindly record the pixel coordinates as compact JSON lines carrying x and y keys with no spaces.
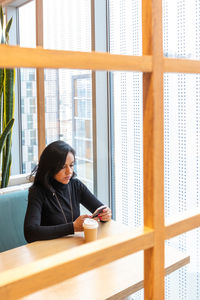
{"x":33,"y":231}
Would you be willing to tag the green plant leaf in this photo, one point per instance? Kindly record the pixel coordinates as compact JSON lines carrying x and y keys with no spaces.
{"x":1,"y":16}
{"x":6,"y":164}
{"x":8,"y":29}
{"x":9,"y":95}
{"x":1,"y":80}
{"x":2,"y":39}
{"x":5,"y":133}
{"x":1,"y":98}
{"x":9,"y":78}
{"x":7,"y":84}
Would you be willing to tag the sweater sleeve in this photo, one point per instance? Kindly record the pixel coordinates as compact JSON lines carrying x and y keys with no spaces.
{"x":87,"y":198}
{"x":33,"y":231}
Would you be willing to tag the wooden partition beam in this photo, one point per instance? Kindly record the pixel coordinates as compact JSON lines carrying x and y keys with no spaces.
{"x":14,"y":56}
{"x":94,"y":116}
{"x":40,"y":80}
{"x":179,"y":224}
{"x":153,"y":141}
{"x":172,"y":65}
{"x":28,"y":278}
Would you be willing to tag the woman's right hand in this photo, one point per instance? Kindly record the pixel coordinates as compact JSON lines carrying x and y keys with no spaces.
{"x":78,"y":223}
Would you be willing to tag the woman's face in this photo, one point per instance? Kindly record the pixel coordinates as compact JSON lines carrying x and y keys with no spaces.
{"x":65,"y":174}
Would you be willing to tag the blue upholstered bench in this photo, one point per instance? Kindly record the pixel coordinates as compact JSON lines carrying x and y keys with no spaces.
{"x":12,"y":212}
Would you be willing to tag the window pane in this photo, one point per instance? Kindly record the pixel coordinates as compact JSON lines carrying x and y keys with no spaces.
{"x":181,"y":129}
{"x":185,"y":282}
{"x":182,"y":142}
{"x":127,"y":147}
{"x":28,"y":100}
{"x":125,"y":27}
{"x":126,"y":115}
{"x":182,"y":158}
{"x":67,"y":25}
{"x":181,"y":24}
{"x":68,"y":96}
{"x":181,"y":21}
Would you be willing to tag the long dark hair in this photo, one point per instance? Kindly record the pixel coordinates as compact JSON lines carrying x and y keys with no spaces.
{"x":51,"y":162}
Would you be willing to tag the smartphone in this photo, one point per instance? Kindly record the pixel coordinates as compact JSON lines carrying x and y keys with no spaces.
{"x":98,"y":211}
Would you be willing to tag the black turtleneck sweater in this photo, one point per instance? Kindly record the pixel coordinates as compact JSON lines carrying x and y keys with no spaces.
{"x":44,"y":219}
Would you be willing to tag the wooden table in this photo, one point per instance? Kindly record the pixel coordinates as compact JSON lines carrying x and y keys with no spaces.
{"x":115,"y":280}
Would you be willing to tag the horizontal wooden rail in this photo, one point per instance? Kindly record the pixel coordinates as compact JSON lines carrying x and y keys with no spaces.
{"x":15,"y":56}
{"x":5,"y":2}
{"x":14,"y":3}
{"x":172,"y":65}
{"x":182,"y":223}
{"x":26,"y":279}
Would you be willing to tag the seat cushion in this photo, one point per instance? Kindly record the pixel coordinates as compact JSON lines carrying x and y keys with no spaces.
{"x":12,"y":212}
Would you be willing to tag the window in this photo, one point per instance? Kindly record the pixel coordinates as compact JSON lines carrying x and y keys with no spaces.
{"x":182,"y":127}
{"x":126,"y":115}
{"x":28,"y":98}
{"x":68,"y":99}
{"x":69,"y":31}
{"x":82,"y":127}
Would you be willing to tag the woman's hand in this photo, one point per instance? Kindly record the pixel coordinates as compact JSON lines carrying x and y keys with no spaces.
{"x":105,"y":215}
{"x":78,"y":223}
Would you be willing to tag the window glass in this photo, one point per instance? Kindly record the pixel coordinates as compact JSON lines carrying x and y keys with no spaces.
{"x":184,"y":283}
{"x":181,"y":21}
{"x":181,"y":24}
{"x":126,"y":115}
{"x":68,"y":96}
{"x":28,"y":100}
{"x":181,"y":158}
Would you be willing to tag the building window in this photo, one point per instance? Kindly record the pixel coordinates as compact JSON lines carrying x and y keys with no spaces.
{"x":28,"y":100}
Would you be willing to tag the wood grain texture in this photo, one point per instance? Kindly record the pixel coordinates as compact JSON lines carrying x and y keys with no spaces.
{"x":172,"y":65}
{"x":5,"y":2}
{"x":184,"y":222}
{"x":113,"y":281}
{"x":40,"y":249}
{"x":41,"y":273}
{"x":89,"y":284}
{"x":153,"y":148}
{"x":14,"y":3}
{"x":14,"y":56}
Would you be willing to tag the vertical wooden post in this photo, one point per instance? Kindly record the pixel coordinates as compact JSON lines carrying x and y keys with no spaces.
{"x":40,"y":80}
{"x":153,"y":148}
{"x":94,"y":128}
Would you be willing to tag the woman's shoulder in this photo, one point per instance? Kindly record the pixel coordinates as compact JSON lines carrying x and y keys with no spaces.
{"x":36,"y":190}
{"x":77,"y":183}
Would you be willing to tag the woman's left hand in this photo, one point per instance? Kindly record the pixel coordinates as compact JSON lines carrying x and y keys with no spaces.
{"x":105,"y":215}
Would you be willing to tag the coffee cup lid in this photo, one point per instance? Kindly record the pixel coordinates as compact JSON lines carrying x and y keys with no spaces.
{"x":90,"y":223}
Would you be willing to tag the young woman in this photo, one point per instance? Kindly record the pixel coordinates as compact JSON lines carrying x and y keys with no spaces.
{"x":55,"y":197}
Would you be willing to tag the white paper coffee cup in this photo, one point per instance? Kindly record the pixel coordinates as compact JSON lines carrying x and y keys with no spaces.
{"x":90,"y":227}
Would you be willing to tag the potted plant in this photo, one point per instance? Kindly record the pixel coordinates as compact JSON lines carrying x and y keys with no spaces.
{"x":7,"y":96}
